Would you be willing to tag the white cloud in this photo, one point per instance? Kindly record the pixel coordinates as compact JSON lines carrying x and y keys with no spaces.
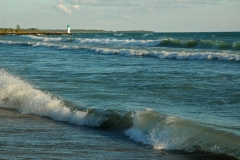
{"x":131,"y":7}
{"x":145,"y":3}
{"x":64,"y":9}
{"x":77,"y":7}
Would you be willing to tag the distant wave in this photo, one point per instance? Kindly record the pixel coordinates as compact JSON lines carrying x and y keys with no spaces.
{"x":132,"y":42}
{"x":168,"y":42}
{"x":182,"y":55}
{"x":202,"y":44}
{"x":43,"y":38}
{"x":17,"y":43}
{"x":118,"y":35}
{"x":171,"y":55}
{"x":147,"y":34}
{"x":146,"y":126}
{"x":117,"y":42}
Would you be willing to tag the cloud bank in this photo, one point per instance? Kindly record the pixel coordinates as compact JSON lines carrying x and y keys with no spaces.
{"x":141,"y":3}
{"x":63,"y":9}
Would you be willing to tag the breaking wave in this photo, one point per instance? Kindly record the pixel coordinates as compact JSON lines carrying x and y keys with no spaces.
{"x":42,"y":38}
{"x":202,"y":44}
{"x":171,"y":55}
{"x":173,"y":133}
{"x":147,"y":34}
{"x":118,"y":35}
{"x":146,"y":126}
{"x":154,"y":52}
{"x":117,"y":42}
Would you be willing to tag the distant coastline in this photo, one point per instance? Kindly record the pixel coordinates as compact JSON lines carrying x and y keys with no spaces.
{"x":36,"y":31}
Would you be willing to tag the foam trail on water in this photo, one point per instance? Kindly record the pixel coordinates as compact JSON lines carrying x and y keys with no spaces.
{"x":118,"y":35}
{"x":16,"y":43}
{"x":46,"y":39}
{"x":147,"y":34}
{"x":118,"y":42}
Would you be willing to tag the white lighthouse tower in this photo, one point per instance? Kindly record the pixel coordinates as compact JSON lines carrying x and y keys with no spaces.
{"x":68,"y":29}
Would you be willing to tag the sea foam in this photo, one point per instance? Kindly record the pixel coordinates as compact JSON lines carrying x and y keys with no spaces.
{"x":43,"y":38}
{"x":117,"y":42}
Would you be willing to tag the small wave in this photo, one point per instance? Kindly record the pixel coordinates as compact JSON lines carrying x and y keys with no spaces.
{"x":118,"y":35}
{"x":147,"y":34}
{"x":148,"y":127}
{"x":202,"y":44}
{"x":171,"y":55}
{"x":41,"y":38}
{"x":16,"y":43}
{"x":132,"y":42}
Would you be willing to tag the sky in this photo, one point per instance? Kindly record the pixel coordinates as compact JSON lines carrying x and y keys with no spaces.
{"x":115,"y":15}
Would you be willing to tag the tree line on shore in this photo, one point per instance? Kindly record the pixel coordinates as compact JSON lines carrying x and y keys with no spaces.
{"x":19,"y":30}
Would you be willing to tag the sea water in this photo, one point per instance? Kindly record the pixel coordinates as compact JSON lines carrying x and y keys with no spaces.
{"x":120,"y":96}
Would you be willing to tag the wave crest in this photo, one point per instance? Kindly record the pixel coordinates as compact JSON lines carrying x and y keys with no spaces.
{"x":172,"y":133}
{"x":201,"y":44}
{"x":41,"y":38}
{"x":117,"y":42}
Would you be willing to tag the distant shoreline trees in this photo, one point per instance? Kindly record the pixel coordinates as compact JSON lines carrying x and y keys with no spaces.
{"x":18,"y":28}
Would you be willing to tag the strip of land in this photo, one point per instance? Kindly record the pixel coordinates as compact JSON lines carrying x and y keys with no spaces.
{"x":35,"y":31}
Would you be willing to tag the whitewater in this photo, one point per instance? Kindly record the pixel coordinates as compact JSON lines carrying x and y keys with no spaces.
{"x":171,"y":95}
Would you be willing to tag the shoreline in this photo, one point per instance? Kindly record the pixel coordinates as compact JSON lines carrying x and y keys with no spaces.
{"x":37,"y":33}
{"x":6,"y":31}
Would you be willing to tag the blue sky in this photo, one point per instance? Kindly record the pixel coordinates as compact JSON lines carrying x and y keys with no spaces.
{"x":154,"y":15}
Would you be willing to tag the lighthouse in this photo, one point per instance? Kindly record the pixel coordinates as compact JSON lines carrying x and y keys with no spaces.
{"x":68,"y":29}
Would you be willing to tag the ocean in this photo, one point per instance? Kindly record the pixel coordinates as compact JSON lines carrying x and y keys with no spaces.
{"x":120,"y":96}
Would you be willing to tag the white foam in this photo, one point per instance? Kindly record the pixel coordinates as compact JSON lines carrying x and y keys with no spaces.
{"x":13,"y":43}
{"x":147,"y":34}
{"x":118,"y":42}
{"x":118,"y":35}
{"x":45,"y":39}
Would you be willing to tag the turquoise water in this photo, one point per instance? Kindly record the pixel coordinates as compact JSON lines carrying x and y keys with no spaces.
{"x":169,"y":91}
